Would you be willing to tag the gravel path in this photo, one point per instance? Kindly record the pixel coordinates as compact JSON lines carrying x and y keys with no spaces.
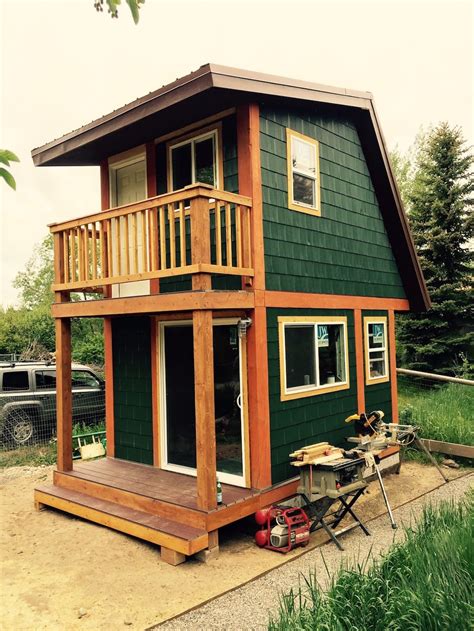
{"x":247,"y":607}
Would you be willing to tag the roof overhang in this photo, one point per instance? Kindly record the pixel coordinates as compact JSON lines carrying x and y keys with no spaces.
{"x":213,"y":88}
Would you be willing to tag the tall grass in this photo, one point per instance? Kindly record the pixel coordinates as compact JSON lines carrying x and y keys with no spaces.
{"x":422,"y":584}
{"x":444,"y":413}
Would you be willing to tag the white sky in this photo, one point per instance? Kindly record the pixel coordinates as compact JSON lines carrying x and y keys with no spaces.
{"x":63,"y":65}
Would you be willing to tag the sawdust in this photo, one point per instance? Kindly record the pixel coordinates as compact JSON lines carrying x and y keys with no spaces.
{"x":59,"y":572}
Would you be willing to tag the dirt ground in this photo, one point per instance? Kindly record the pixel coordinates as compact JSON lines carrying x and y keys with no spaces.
{"x":59,"y":572}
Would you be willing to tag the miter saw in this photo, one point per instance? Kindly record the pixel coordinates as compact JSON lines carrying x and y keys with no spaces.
{"x":373,"y":436}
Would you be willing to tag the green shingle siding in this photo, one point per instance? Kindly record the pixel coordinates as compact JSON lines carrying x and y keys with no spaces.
{"x":346,"y":250}
{"x":132,"y":389}
{"x":311,"y":419}
{"x":378,"y":396}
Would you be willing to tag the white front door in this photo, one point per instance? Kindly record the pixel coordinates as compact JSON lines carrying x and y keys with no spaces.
{"x":128,"y":185}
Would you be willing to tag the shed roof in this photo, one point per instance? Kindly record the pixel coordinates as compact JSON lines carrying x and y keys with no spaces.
{"x":212,"y":88}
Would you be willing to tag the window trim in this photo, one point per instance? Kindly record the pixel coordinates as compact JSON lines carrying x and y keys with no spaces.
{"x":198,"y":134}
{"x":309,"y":391}
{"x":370,"y":381}
{"x":298,"y":206}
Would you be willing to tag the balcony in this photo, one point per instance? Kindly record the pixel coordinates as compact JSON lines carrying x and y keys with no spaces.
{"x":196,"y":230}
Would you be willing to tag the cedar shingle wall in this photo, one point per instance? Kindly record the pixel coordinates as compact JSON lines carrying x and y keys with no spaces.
{"x":132,"y":389}
{"x":300,"y":422}
{"x":346,"y":250}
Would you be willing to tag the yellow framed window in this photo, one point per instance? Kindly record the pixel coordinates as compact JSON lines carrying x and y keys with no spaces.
{"x":313,"y":356}
{"x":376,"y":350}
{"x":304,"y":193}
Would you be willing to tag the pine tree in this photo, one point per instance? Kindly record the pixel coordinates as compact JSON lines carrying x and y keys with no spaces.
{"x":439,"y":201}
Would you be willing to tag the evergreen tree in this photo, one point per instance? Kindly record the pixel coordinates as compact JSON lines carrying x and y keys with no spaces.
{"x":439,"y":199}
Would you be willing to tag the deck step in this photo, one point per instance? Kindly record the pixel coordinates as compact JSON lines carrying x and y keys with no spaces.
{"x":158,"y":530}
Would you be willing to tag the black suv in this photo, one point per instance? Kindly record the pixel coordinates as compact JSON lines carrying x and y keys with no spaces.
{"x":28,"y":400}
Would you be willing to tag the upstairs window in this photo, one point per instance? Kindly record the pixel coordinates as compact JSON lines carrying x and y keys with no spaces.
{"x":194,"y":160}
{"x":376,"y":350}
{"x":313,"y":356}
{"x":303,"y":173}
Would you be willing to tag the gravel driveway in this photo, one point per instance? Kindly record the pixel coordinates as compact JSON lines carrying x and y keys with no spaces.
{"x":248,"y":607}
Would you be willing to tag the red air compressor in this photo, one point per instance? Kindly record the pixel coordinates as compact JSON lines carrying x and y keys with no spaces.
{"x":283,"y":528}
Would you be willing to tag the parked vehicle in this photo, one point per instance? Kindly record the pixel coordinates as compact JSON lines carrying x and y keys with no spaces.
{"x":28,"y":400}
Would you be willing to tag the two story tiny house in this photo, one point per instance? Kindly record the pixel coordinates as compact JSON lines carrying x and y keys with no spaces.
{"x":248,"y":261}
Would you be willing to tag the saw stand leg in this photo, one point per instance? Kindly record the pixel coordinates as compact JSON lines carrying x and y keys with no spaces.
{"x":420,"y":445}
{"x":384,"y":493}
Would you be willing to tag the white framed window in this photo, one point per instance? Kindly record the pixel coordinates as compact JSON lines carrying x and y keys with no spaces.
{"x":376,"y":350}
{"x":303,"y":173}
{"x":313,"y":355}
{"x":194,"y":159}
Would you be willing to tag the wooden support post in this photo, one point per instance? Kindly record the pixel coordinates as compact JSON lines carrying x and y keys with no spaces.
{"x":63,"y":393}
{"x":171,"y":556}
{"x":359,"y":351}
{"x":392,"y":350}
{"x":200,"y":240}
{"x":204,"y":406}
{"x":109,"y":388}
{"x":212,"y":550}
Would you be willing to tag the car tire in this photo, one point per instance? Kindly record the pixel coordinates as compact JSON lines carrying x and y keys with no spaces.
{"x":20,"y":428}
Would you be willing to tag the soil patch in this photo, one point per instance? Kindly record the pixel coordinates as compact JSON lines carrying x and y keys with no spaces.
{"x":60,"y":572}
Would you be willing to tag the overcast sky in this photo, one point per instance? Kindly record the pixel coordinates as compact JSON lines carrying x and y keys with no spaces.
{"x":63,"y":65}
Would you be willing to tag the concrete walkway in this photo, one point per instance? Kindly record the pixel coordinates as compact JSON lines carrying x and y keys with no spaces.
{"x":249,"y":607}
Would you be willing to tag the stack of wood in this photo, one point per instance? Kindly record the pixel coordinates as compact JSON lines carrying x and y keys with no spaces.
{"x":316,"y":454}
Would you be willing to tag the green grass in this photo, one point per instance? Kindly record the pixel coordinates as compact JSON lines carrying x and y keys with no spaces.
{"x":41,"y":453}
{"x":422,"y":584}
{"x":445,"y":413}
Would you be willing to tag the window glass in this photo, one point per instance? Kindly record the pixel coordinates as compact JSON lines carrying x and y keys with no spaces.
{"x":182,"y":166}
{"x":204,"y":158}
{"x":303,"y":156}
{"x":315,"y":355}
{"x":303,"y":189}
{"x":376,"y":358}
{"x":84,"y":379}
{"x":331,"y":354}
{"x":45,"y":380}
{"x":300,"y":358}
{"x":15,"y":380}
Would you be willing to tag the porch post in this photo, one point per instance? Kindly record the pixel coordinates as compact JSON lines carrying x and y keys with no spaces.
{"x":63,"y":393}
{"x":109,"y":388}
{"x":204,"y":407}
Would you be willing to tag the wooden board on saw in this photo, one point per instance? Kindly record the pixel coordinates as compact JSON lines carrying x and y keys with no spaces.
{"x":315,"y":454}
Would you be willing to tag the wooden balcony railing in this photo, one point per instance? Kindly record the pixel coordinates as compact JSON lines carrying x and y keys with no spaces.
{"x":194,"y":230}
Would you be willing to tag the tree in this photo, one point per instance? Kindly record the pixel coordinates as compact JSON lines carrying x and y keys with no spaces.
{"x":438,"y":186}
{"x":134,"y":6}
{"x":6,"y":157}
{"x":35,"y":282}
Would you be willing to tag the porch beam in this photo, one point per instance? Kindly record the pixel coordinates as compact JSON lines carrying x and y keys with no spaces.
{"x":63,"y":393}
{"x":204,"y":410}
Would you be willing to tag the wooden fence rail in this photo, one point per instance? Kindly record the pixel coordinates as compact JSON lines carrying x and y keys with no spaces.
{"x":154,"y":238}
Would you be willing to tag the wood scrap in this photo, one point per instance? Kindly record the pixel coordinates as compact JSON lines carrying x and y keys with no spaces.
{"x":315,"y":454}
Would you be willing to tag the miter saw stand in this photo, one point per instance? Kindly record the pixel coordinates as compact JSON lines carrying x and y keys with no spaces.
{"x":374,"y":436}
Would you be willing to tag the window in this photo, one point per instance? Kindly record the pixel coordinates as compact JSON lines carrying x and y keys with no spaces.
{"x":15,"y":380}
{"x":84,"y":379}
{"x":376,"y":350}
{"x":303,"y":173}
{"x":313,"y":356}
{"x":194,"y":160}
{"x":46,"y":380}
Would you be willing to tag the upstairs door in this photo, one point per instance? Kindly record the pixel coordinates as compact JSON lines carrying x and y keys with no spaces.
{"x":178,"y":435}
{"x":128,"y":185}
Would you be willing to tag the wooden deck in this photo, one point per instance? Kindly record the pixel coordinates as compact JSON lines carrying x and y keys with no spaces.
{"x":152,"y":504}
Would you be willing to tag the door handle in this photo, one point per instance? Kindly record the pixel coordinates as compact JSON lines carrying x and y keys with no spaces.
{"x":239,"y":401}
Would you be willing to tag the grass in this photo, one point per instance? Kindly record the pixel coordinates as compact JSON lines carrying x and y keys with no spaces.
{"x":444,"y":413}
{"x":424,"y":583}
{"x":41,"y":453}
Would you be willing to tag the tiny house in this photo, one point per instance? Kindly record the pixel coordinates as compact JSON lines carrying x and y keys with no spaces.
{"x":248,"y":262}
